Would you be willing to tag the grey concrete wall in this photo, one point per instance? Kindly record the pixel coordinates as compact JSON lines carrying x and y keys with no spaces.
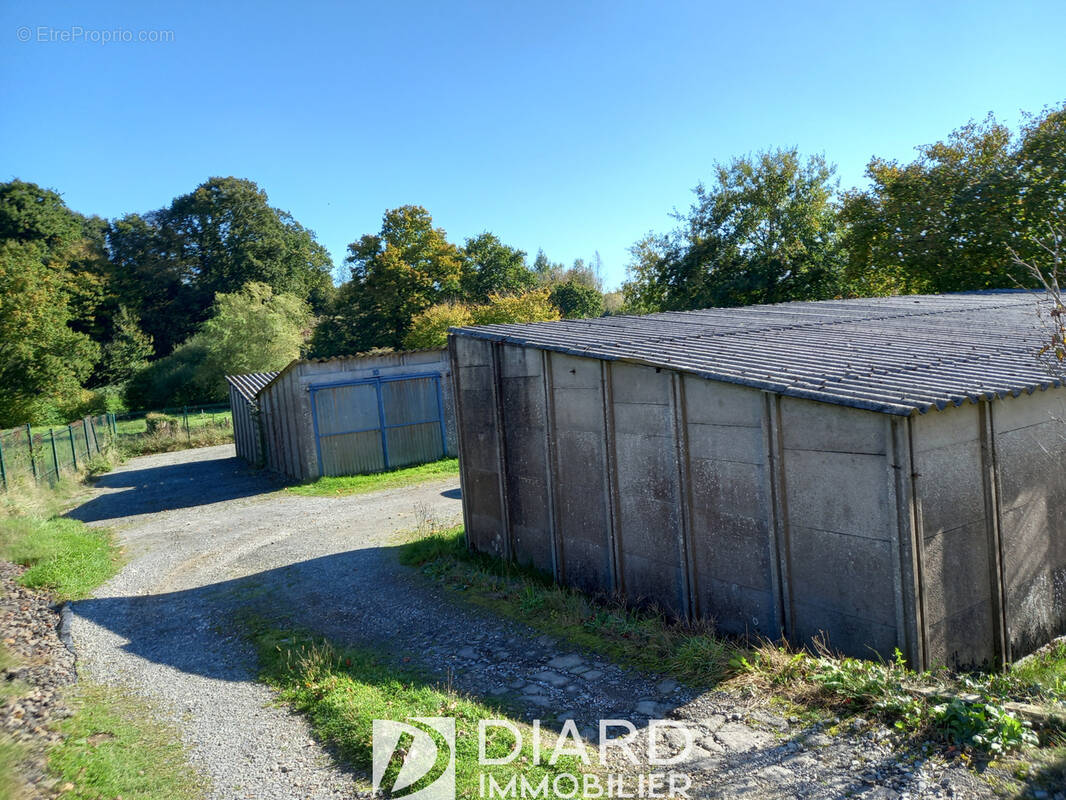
{"x":523,"y":406}
{"x":957,"y":539}
{"x":940,"y":534}
{"x":582,"y":494}
{"x":1030,"y":453}
{"x":838,"y":565}
{"x":649,"y":534}
{"x":480,"y":454}
{"x":734,"y":575}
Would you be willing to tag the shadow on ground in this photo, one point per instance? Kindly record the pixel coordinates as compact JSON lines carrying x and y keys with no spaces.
{"x":170,"y":486}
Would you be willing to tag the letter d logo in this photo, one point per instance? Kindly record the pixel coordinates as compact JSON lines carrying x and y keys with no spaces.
{"x":416,"y":746}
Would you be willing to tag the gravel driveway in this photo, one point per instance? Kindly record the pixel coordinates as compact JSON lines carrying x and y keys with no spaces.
{"x":205,"y":535}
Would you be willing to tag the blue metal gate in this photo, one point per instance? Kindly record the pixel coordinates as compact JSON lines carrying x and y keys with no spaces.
{"x":378,"y":423}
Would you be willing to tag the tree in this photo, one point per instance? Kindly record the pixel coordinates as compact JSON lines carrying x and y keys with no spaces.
{"x":253,"y":330}
{"x":43,"y":361}
{"x":396,"y":274}
{"x":491,"y":267}
{"x":128,"y":351}
{"x":534,"y":306}
{"x":942,"y":223}
{"x":576,"y":300}
{"x":429,"y":330}
{"x":765,"y":232}
{"x":171,"y":263}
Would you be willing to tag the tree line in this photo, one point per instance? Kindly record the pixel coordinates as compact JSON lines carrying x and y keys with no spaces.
{"x":154,"y":309}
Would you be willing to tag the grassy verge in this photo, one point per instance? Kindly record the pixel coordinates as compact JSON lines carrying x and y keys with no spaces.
{"x":168,"y":441}
{"x":64,"y":556}
{"x":967,"y":711}
{"x":342,"y":692}
{"x":360,"y":484}
{"x":113,"y":747}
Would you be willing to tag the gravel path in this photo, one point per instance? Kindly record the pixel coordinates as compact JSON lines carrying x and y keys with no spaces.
{"x":206,"y":536}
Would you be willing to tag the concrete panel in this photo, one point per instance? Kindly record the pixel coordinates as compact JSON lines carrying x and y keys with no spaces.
{"x":526,"y":448}
{"x":950,"y":486}
{"x":807,"y":425}
{"x":849,"y":574}
{"x":726,"y":443}
{"x":730,"y":487}
{"x":640,"y":385}
{"x":1030,"y":446}
{"x":962,"y":640}
{"x":579,"y":409}
{"x":647,"y":468}
{"x":714,"y":403}
{"x":651,"y":583}
{"x":953,"y":425}
{"x":841,"y":492}
{"x":570,"y":372}
{"x":956,"y":568}
{"x":737,"y":609}
{"x":1037,"y":408}
{"x":731,"y":548}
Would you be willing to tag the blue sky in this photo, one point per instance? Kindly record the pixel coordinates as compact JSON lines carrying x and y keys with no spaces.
{"x":572,"y":126}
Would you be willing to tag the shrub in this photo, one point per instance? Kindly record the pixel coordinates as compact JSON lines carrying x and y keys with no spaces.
{"x":161,"y":423}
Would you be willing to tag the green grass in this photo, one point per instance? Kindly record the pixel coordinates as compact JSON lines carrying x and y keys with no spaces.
{"x":11,"y":755}
{"x":360,"y":484}
{"x":138,"y":425}
{"x":114,"y":747}
{"x":643,"y":639}
{"x":341,"y":692}
{"x":64,"y":556}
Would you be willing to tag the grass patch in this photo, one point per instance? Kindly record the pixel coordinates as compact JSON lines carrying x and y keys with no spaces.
{"x":644,"y":639}
{"x":341,"y":692}
{"x":172,"y":440}
{"x":64,"y":556}
{"x":11,"y":756}
{"x":965,"y":710}
{"x":360,"y":484}
{"x":113,"y":747}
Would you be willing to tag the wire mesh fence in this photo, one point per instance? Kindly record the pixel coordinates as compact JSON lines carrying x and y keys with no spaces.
{"x":44,"y":454}
{"x":185,"y":418}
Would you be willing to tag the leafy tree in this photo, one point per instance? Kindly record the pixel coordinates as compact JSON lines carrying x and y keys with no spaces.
{"x":43,"y":361}
{"x":396,"y":274}
{"x":941,"y":223}
{"x":127,"y":352}
{"x":576,"y":300}
{"x":429,"y":329}
{"x":534,"y":306}
{"x":491,"y":267}
{"x":171,"y":263}
{"x":765,"y":232}
{"x":253,"y":330}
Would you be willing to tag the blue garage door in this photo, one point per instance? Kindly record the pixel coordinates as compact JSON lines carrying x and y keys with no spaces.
{"x":377,"y":423}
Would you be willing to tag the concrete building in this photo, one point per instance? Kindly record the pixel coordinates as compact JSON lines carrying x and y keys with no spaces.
{"x":247,"y":434}
{"x":352,"y":415}
{"x":885,"y":472}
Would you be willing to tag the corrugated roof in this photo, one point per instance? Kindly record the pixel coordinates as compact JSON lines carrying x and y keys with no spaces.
{"x":895,"y":355}
{"x":249,"y":385}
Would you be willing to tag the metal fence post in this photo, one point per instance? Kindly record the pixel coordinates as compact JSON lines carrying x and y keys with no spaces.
{"x":88,"y":444}
{"x":185,"y":416}
{"x":3,"y":466}
{"x":29,"y":443}
{"x":55,"y":455}
{"x":73,"y":446}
